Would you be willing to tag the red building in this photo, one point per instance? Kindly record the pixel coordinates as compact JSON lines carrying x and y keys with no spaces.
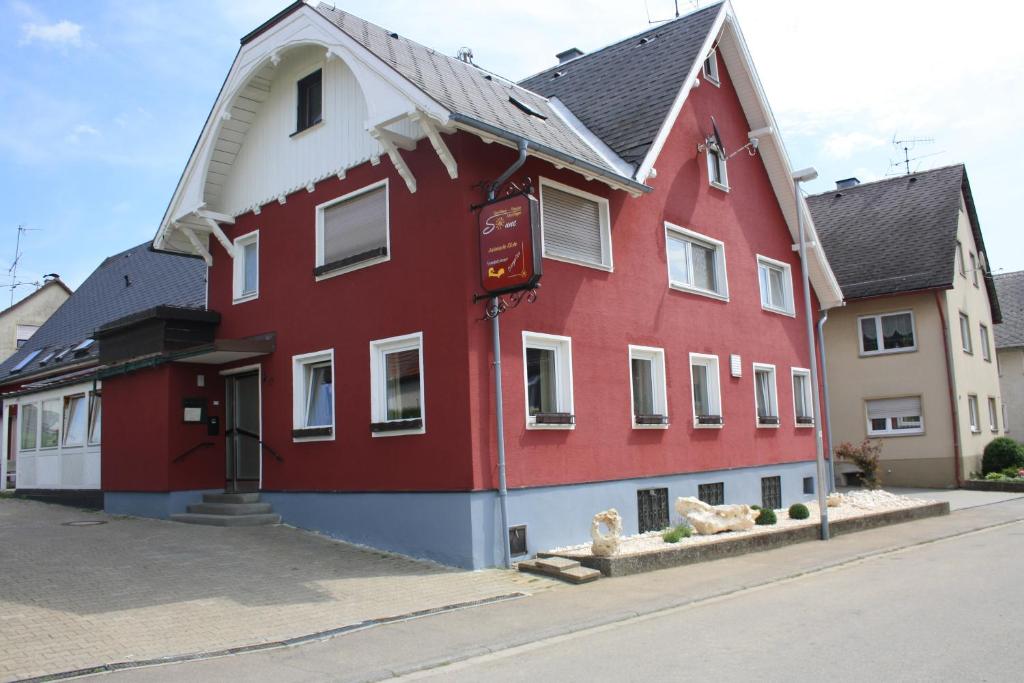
{"x":349,"y":376}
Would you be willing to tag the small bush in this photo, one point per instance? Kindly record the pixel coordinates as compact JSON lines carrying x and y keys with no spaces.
{"x":676,"y":533}
{"x":1011,"y":472}
{"x":995,"y":476}
{"x":1000,"y":454}
{"x":799,"y":511}
{"x":766,"y":517}
{"x":865,"y":457}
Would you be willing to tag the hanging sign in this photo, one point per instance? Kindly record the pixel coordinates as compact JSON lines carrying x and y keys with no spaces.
{"x":510,"y":250}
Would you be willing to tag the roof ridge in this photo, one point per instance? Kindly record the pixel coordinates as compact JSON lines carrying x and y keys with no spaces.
{"x":688,"y":15}
{"x":887,"y":180}
{"x":1013,"y":273}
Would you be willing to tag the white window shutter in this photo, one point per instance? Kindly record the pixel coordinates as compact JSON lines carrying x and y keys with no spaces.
{"x":356,"y":226}
{"x":572,"y":227}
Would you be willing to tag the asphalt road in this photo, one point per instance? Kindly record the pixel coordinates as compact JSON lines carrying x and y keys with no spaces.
{"x":949,"y":610}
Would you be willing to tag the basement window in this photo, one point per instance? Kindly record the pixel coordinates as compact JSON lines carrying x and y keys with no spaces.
{"x":313,"y":396}
{"x":647,"y":387}
{"x":396,"y":386}
{"x":352,"y":231}
{"x":707,"y":395}
{"x":711,"y":68}
{"x":771,"y":493}
{"x":712,"y":494}
{"x":547,"y":361}
{"x":310,"y":101}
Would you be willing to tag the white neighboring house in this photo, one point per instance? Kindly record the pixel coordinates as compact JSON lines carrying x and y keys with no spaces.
{"x":1010,"y":351}
{"x":19,"y":322}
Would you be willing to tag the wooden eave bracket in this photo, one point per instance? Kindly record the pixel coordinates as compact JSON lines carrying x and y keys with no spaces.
{"x":387,"y":140}
{"x":434,"y":135}
{"x":196,"y":244}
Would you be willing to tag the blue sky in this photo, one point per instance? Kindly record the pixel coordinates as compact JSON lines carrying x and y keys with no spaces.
{"x":102,"y":101}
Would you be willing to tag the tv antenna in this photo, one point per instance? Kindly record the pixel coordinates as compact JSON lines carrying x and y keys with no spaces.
{"x":907,"y":145}
{"x":13,"y":270}
{"x":692,"y":3}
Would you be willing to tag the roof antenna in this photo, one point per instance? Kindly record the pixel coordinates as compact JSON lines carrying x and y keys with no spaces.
{"x":694,"y":4}
{"x":465,"y":54}
{"x":906,"y":145}
{"x":13,"y":270}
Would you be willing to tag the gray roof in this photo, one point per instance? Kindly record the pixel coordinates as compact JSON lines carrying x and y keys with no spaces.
{"x":623,"y":92}
{"x":469,"y":91}
{"x":1010,"y":287}
{"x":156,"y":278}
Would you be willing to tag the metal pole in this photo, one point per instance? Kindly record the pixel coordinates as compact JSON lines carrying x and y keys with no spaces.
{"x":828,"y":406}
{"x":818,"y":447}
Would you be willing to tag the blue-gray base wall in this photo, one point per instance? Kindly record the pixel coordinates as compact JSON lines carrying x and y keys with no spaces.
{"x":463,"y":528}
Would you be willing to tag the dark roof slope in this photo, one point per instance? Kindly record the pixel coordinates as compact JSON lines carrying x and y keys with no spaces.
{"x":1010,"y":288}
{"x":125,"y":283}
{"x":623,"y":92}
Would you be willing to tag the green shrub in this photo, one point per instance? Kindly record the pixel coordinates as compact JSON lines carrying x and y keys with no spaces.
{"x":676,"y":533}
{"x":865,"y":457}
{"x":766,"y":517}
{"x":1000,"y":454}
{"x":995,"y":476}
{"x":1011,"y":472}
{"x":799,"y":511}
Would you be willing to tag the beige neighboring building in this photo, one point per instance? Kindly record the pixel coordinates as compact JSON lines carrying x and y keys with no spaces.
{"x":1010,"y":351}
{"x":19,"y":322}
{"x":910,"y":358}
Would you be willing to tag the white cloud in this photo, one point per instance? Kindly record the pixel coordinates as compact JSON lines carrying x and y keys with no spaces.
{"x":845,"y":145}
{"x":79,"y":131}
{"x":63,"y":33}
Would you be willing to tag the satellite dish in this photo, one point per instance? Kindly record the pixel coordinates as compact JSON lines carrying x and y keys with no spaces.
{"x":717,"y":136}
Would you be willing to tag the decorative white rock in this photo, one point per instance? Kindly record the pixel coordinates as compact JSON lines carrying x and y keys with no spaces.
{"x":834,"y":500}
{"x":712,"y":519}
{"x":606,"y":545}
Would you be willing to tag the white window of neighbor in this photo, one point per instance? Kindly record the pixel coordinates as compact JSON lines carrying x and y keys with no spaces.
{"x":986,"y":347}
{"x":718,"y":174}
{"x":972,"y":413}
{"x":776,"y":282}
{"x":75,"y":420}
{"x":961,"y":265}
{"x":993,"y":414}
{"x":547,"y":376}
{"x":28,"y":419}
{"x":965,"y":333}
{"x":49,"y":430}
{"x":23,"y":333}
{"x":313,"y":395}
{"x":974,"y":269}
{"x":803,"y":401}
{"x":648,"y":394}
{"x":352,"y":231}
{"x":575,"y":225}
{"x":396,"y":386}
{"x":707,"y":395}
{"x":696,"y":263}
{"x":711,"y":67}
{"x":895,"y":416}
{"x":246,"y":267}
{"x":766,"y":400}
{"x":95,"y":417}
{"x":887,"y":333}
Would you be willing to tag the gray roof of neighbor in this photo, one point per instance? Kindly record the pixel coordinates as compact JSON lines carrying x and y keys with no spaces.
{"x":132,"y":281}
{"x":897,"y":235}
{"x":1010,"y":287}
{"x":623,"y":92}
{"x":468,"y":90}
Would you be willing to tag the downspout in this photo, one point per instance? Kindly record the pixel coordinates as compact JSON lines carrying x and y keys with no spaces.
{"x":499,"y":404}
{"x":828,"y":407}
{"x":953,"y":397}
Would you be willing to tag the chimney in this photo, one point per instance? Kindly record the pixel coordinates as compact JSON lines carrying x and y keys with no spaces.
{"x":847,"y":183}
{"x":571,"y":53}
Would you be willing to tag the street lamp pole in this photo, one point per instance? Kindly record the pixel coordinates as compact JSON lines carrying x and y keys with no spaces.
{"x":799,"y":177}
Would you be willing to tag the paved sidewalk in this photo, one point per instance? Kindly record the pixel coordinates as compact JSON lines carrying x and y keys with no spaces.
{"x":133,"y":589}
{"x":958,"y":499}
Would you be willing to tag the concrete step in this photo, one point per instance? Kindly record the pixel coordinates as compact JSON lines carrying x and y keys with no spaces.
{"x":231,"y":497}
{"x":230,"y":508}
{"x":560,"y":568}
{"x":227,"y":520}
{"x":557,"y":564}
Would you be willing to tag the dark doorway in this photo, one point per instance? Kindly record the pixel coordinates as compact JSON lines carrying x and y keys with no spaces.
{"x":242,"y":430}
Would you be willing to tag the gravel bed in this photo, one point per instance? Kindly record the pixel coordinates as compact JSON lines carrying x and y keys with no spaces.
{"x":854,"y":504}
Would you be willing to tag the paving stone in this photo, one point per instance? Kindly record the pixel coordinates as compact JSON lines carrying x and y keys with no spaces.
{"x":579,"y":574}
{"x":557,"y":563}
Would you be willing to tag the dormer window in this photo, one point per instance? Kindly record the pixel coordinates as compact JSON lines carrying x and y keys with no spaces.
{"x":310,"y":101}
{"x":718,"y":176}
{"x":711,"y":68}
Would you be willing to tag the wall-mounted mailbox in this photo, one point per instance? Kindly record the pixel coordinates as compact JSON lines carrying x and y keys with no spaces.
{"x":194,"y":409}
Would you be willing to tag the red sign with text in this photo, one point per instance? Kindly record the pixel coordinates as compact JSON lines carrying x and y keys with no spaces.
{"x":510,"y":244}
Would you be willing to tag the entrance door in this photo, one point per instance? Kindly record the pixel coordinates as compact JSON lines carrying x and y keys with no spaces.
{"x":242,"y":430}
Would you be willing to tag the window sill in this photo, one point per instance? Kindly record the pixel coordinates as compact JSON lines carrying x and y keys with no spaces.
{"x":577,"y":262}
{"x":301,"y":131}
{"x":778,"y":311}
{"x":975,"y":430}
{"x":886,"y":435}
{"x":330,"y":270}
{"x":643,"y":426}
{"x":244,"y":298}
{"x":768,"y":426}
{"x":719,"y":186}
{"x":712,"y":80}
{"x":700,"y":292}
{"x":888,"y":352}
{"x":543,"y":427}
{"x":313,"y":434}
{"x":804,"y":426}
{"x":698,"y":425}
{"x":398,"y":428}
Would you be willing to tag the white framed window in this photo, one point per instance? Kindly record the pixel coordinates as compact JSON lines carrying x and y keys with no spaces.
{"x":993,"y":414}
{"x":95,"y":417}
{"x":974,"y":269}
{"x":718,"y":173}
{"x":575,"y":225}
{"x":986,"y":346}
{"x":75,"y":420}
{"x":766,"y":397}
{"x":28,"y":420}
{"x":22,"y":333}
{"x":972,"y":413}
{"x":49,"y":424}
{"x":647,"y":387}
{"x":895,"y":416}
{"x":397,"y":401}
{"x":776,"y":281}
{"x":803,"y":401}
{"x":313,"y":396}
{"x":961,"y":265}
{"x":711,"y":68}
{"x":696,"y":263}
{"x":965,"y":333}
{"x":887,"y":333}
{"x":547,"y":378}
{"x":707,"y":392}
{"x":246,"y":267}
{"x":353,"y":231}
